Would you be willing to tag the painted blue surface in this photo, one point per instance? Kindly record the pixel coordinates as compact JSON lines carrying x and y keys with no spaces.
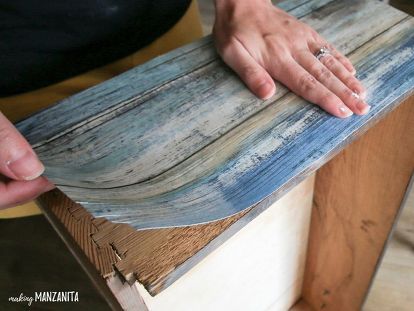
{"x":138,"y":148}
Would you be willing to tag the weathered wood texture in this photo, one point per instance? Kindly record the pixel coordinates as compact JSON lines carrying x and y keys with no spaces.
{"x":180,"y":140}
{"x":357,"y":197}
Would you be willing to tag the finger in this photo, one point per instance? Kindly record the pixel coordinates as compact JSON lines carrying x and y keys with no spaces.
{"x":15,"y":192}
{"x":338,"y":69}
{"x":17,"y":159}
{"x":344,"y":60}
{"x":301,"y":82}
{"x":315,"y":46}
{"x":351,"y":99}
{"x":253,"y":75}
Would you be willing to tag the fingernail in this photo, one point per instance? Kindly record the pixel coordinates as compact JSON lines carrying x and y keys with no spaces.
{"x":363,"y":107}
{"x":345,"y":111}
{"x":26,"y":167}
{"x":265,"y":90}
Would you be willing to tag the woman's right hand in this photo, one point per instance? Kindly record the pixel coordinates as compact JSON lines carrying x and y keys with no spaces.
{"x":20,"y":168}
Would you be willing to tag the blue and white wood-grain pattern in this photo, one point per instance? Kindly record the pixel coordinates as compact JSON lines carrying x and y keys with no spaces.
{"x":180,"y":140}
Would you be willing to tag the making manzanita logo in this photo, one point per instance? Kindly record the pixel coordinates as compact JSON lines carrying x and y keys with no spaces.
{"x":71,"y":296}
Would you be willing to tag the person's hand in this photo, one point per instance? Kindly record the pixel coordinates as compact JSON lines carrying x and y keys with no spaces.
{"x":261,"y":42}
{"x":20,"y":169}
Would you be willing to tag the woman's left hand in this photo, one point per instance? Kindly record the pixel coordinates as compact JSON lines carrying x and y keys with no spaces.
{"x":261,"y":42}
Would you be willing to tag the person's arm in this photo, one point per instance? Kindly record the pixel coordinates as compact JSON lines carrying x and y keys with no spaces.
{"x":20,"y":169}
{"x":261,"y":42}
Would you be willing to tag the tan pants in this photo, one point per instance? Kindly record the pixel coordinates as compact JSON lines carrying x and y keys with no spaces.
{"x":17,"y":107}
{"x":404,"y":5}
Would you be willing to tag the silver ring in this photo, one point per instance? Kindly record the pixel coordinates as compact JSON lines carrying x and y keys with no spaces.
{"x":323,"y":51}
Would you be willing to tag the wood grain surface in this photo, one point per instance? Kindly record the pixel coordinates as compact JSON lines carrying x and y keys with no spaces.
{"x":180,"y":140}
{"x":357,"y":198}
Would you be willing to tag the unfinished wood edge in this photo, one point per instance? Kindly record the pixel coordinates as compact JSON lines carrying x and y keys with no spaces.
{"x":97,"y":280}
{"x":389,"y":238}
{"x":73,"y":216}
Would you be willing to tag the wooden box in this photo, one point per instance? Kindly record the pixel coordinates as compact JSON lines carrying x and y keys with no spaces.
{"x":195,"y":195}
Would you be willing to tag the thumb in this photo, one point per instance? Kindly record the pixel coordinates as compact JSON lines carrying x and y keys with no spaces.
{"x":17,"y":159}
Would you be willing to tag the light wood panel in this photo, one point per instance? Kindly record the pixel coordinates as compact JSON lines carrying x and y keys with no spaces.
{"x":180,"y":140}
{"x":259,"y":268}
{"x":357,"y":198}
{"x":128,"y":296}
